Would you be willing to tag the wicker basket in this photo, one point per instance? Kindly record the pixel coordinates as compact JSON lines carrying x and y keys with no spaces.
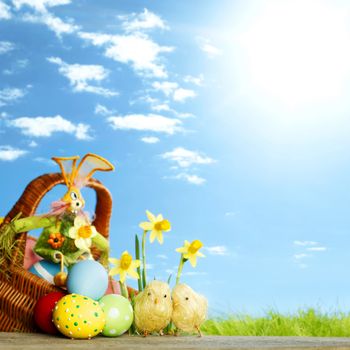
{"x":20,"y":289}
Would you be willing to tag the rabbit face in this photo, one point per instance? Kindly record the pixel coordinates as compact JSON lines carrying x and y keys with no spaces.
{"x":74,"y":198}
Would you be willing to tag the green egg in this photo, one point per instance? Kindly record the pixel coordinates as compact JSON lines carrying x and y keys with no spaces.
{"x":119,"y":314}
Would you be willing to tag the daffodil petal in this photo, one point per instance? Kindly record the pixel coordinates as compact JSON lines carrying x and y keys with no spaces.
{"x":146,"y":226}
{"x":181,"y":250}
{"x":135,"y":264}
{"x":73,"y":232}
{"x":187,"y":243}
{"x":200,"y":254}
{"x":159,"y":217}
{"x":193,"y":260}
{"x":79,"y":221}
{"x":114,"y":271}
{"x":153,"y":236}
{"x":133,"y":274}
{"x":80,"y":243}
{"x":114,"y":261}
{"x":93,"y":231}
{"x":122,"y":276}
{"x":160,"y":237}
{"x":150,"y":216}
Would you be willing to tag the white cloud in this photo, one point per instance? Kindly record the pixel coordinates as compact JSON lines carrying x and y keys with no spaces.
{"x":167,"y":87}
{"x":158,"y":106}
{"x":45,"y":161}
{"x":43,"y":16}
{"x":183,"y":115}
{"x":194,"y":273}
{"x":150,"y":122}
{"x":6,"y":46}
{"x":305,"y":243}
{"x":9,"y":95}
{"x":231,"y":213}
{"x":185,"y":158}
{"x":56,"y":24}
{"x":103,"y":110}
{"x":150,"y":139}
{"x":217,"y":250}
{"x":162,"y":256}
{"x":190,"y":178}
{"x":180,"y":95}
{"x":301,"y":256}
{"x":137,"y":49}
{"x":8,"y":153}
{"x":46,"y":126}
{"x":316,"y":249}
{"x":4,"y":11}
{"x":172,"y":89}
{"x":39,"y":5}
{"x":80,"y":75}
{"x":149,"y":266}
{"x":33,"y":144}
{"x":208,"y":48}
{"x":16,"y":66}
{"x":194,"y":80}
{"x":142,"y":21}
{"x":162,"y":107}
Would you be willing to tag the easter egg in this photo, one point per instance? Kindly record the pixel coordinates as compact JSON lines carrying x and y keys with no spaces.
{"x":119,"y":314}
{"x":43,"y":312}
{"x":46,"y":270}
{"x":89,"y":278}
{"x":79,"y":317}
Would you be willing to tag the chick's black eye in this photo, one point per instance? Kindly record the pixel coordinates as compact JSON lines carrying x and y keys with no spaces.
{"x":164,"y":295}
{"x":149,"y":294}
{"x":186,"y":298}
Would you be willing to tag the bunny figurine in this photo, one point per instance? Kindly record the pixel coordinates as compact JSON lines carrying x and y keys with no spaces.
{"x":67,"y":231}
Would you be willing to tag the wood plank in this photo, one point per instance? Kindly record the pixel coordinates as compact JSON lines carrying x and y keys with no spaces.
{"x":31,"y":341}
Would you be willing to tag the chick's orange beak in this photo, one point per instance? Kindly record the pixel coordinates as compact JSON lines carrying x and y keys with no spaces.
{"x":156,"y":301}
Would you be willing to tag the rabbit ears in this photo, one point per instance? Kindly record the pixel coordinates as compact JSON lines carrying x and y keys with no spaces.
{"x":80,"y":175}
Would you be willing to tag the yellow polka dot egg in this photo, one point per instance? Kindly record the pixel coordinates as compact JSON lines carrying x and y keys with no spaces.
{"x":77,"y":316}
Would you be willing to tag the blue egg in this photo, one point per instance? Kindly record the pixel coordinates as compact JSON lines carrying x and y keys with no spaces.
{"x":89,"y":278}
{"x":46,"y":270}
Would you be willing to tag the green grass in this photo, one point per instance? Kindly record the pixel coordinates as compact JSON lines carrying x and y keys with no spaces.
{"x":304,"y":323}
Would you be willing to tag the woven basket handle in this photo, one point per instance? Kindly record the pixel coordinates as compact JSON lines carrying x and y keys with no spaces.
{"x":34,"y":193}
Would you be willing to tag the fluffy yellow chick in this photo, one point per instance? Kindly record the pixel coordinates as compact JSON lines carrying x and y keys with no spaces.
{"x":189,"y":309}
{"x":153,"y":308}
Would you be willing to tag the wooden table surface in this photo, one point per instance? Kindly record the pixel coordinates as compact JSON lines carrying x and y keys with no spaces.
{"x":32,"y":341}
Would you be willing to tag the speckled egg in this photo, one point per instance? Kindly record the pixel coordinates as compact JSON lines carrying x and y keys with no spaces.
{"x":119,"y":314}
{"x":88,"y":277}
{"x":77,"y":316}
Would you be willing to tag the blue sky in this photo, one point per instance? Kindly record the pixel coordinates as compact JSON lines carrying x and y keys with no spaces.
{"x":231,"y":118}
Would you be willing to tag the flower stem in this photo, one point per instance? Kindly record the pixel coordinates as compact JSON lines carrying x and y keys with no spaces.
{"x":144,"y":280}
{"x":124,"y":290}
{"x":179,"y":270}
{"x":137,"y":254}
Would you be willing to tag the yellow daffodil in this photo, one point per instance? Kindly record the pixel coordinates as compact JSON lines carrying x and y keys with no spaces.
{"x":82,"y":232}
{"x":190,"y":251}
{"x":157,"y":225}
{"x":124,"y":266}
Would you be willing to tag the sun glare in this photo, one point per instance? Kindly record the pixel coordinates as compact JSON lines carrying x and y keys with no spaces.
{"x":298,"y":52}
